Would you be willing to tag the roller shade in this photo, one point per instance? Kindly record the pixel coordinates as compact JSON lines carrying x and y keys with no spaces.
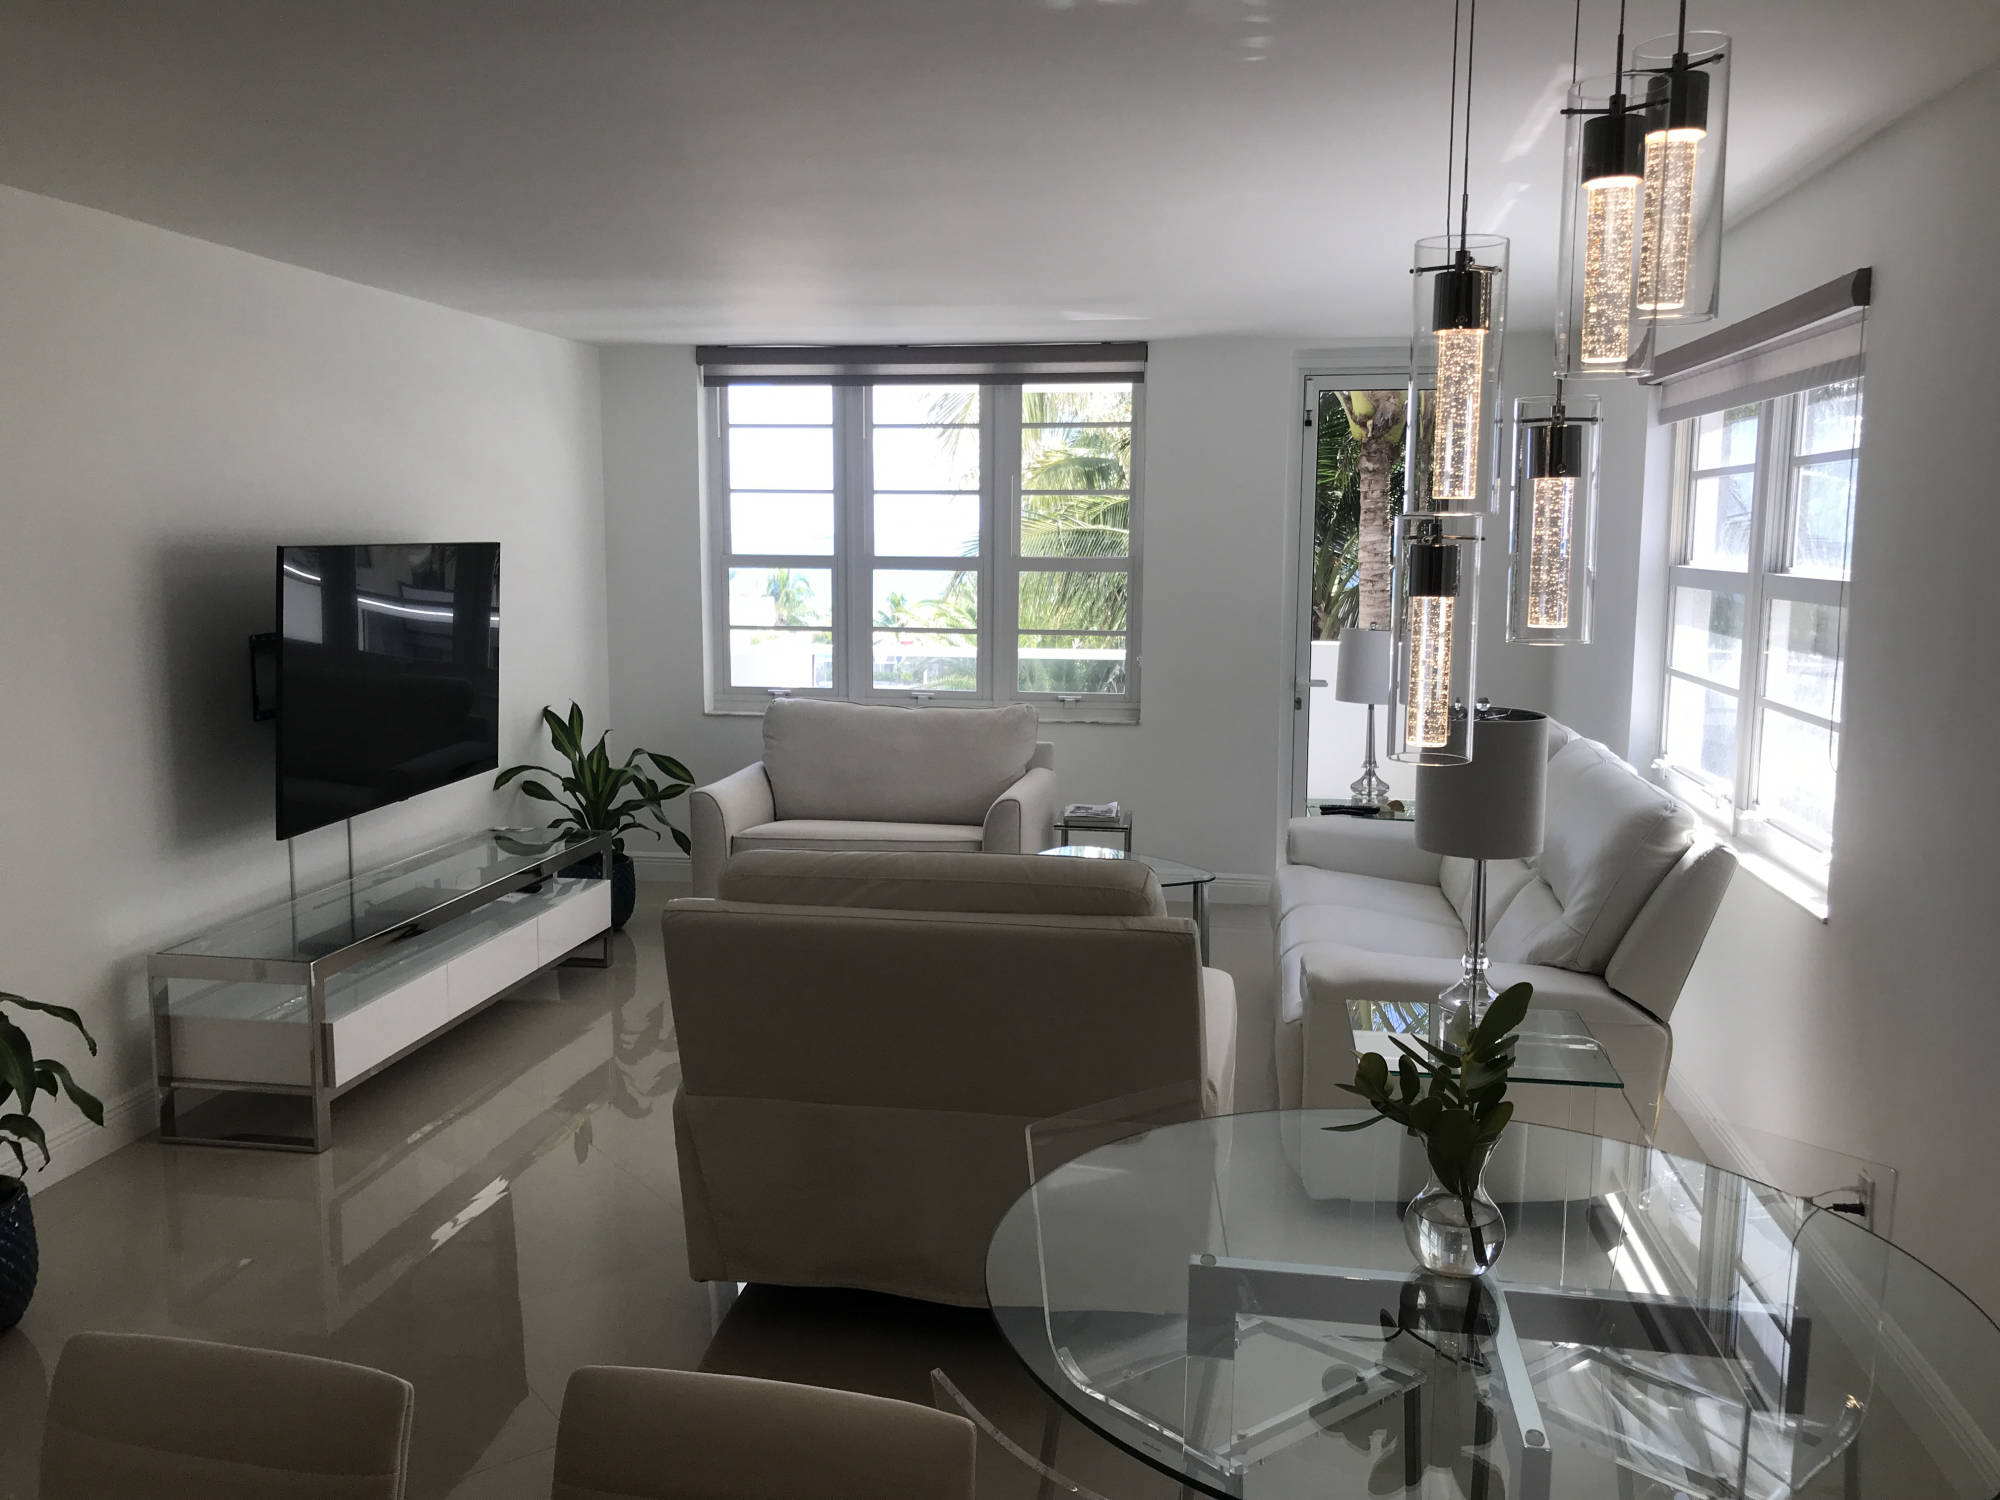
{"x":1814,"y":339}
{"x":913,"y":364}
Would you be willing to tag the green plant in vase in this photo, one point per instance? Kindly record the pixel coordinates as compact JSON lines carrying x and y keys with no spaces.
{"x":602,"y":795}
{"x":1458,"y":1111}
{"x":24,"y":1077}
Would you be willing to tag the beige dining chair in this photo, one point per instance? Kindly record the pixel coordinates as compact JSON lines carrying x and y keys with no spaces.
{"x":629,"y":1434}
{"x":174,"y":1419}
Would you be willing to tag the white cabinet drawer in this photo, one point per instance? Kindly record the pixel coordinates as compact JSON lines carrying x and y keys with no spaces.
{"x":574,"y":918}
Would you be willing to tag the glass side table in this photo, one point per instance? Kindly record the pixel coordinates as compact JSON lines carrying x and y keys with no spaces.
{"x":1118,"y":826}
{"x":1169,"y":872}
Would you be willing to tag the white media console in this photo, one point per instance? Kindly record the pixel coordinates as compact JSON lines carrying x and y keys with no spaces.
{"x":280,"y":1012}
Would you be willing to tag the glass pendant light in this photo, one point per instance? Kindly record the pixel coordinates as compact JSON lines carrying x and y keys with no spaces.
{"x":1551,"y":552}
{"x":1599,"y":331}
{"x":1680,"y":236}
{"x":1433,"y":610}
{"x":1459,"y":315}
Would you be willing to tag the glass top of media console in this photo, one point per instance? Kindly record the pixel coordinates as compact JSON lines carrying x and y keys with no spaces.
{"x":319,"y":924}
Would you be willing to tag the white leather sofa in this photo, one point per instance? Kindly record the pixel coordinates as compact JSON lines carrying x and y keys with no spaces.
{"x":1606,"y":922}
{"x":863,"y":776}
{"x":865,"y":1038}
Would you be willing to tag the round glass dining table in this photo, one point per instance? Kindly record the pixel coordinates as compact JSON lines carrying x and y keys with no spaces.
{"x":1232,"y":1301}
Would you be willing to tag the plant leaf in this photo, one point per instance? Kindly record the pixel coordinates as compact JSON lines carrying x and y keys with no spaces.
{"x":50,"y":1073}
{"x":686,"y":845}
{"x":1505,"y":1015}
{"x":670,"y":768}
{"x":22,"y":1128}
{"x":17,"y":1064}
{"x":60,"y":1012}
{"x":539,"y":792}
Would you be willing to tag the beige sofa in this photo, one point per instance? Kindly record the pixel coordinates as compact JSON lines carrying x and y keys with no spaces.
{"x":1606,"y":921}
{"x":865,"y":776}
{"x":865,"y":1038}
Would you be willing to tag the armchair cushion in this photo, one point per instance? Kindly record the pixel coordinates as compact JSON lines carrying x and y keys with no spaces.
{"x":841,"y":833}
{"x":866,"y":762}
{"x":946,"y":882}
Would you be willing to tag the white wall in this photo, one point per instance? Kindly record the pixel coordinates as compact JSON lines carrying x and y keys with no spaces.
{"x":169,"y":411}
{"x":1874,"y":1034}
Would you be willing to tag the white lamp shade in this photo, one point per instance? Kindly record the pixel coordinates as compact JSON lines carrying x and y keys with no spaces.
{"x":1363,"y":673}
{"x":1491,"y":806}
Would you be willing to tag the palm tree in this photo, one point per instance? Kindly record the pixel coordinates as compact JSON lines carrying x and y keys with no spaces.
{"x":790,"y":596}
{"x":1376,"y":420}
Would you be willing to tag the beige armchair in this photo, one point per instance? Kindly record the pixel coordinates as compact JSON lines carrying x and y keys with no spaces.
{"x":865,"y":776}
{"x":866,"y":1036}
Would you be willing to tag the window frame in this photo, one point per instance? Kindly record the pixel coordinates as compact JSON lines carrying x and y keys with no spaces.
{"x":1736,"y":805}
{"x":853,"y":560}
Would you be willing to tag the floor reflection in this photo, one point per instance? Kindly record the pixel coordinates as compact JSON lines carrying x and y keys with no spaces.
{"x":498,"y":1209}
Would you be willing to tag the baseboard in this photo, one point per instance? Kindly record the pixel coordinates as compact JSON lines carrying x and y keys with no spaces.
{"x":132,"y":1116}
{"x":1240,"y":890}
{"x":670,"y":866}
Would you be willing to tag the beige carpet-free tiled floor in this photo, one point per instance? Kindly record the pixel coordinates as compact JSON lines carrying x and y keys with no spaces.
{"x":501,"y":1208}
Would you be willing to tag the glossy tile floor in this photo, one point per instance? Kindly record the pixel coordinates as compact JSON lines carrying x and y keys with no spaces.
{"x":499,"y":1209}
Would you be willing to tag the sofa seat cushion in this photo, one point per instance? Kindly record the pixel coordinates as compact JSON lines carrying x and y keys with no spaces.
{"x":893,"y":765}
{"x":1307,"y":885}
{"x":1429,"y":935}
{"x":837,"y":833}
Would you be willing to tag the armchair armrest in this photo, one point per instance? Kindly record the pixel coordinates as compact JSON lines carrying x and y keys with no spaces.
{"x":720,"y":811}
{"x":1022,"y":819}
{"x":1361,"y":846}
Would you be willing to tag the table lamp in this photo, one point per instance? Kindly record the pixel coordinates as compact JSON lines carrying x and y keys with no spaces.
{"x":1363,"y":677}
{"x":1488,"y":808}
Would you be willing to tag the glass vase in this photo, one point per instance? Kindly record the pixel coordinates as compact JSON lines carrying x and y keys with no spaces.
{"x":1445,"y":1239}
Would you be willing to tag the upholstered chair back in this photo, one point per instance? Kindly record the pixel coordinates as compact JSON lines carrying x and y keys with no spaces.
{"x":680,"y":1435}
{"x":875,"y":763}
{"x":172,"y":1419}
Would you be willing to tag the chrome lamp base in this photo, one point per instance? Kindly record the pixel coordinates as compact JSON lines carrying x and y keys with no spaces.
{"x":1370,"y":788}
{"x":1460,"y":1007}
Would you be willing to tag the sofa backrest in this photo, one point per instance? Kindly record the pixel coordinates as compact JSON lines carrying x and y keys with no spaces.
{"x":1039,"y":884}
{"x":1611,"y":837}
{"x":879,"y":764}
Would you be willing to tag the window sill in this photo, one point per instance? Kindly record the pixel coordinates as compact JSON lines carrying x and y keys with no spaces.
{"x":1802,"y":890}
{"x":1786,"y":881}
{"x":1127,"y":716}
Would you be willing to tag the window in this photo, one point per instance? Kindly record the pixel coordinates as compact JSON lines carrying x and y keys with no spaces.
{"x":958,"y":540}
{"x":1764,"y":530}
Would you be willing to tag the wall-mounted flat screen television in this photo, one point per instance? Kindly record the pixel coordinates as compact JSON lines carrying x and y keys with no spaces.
{"x":388,"y":675}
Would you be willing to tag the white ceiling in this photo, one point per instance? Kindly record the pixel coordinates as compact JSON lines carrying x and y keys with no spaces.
{"x":810,"y":170}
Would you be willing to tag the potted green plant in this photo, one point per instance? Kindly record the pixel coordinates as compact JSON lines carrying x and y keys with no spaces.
{"x":602,"y":795}
{"x":23,"y":1078}
{"x":1453,"y":1227}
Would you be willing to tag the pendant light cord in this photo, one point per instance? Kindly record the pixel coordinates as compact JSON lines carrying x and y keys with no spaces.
{"x":1465,"y":173}
{"x":1451,"y":125}
{"x":1684,"y":28}
{"x":1575,"y":42}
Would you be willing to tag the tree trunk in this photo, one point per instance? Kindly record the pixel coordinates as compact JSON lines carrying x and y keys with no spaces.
{"x":1378,"y":439}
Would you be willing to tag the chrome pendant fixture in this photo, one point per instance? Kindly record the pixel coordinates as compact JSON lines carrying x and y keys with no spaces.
{"x":1433,"y":613}
{"x":1552,"y":540}
{"x":1600,"y":330}
{"x":1686,"y":115}
{"x":1459,"y":314}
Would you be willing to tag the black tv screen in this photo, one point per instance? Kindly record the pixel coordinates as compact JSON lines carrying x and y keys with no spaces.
{"x":388,"y":675}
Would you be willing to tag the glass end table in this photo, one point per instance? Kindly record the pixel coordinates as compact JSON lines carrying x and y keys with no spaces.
{"x":1169,"y":872}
